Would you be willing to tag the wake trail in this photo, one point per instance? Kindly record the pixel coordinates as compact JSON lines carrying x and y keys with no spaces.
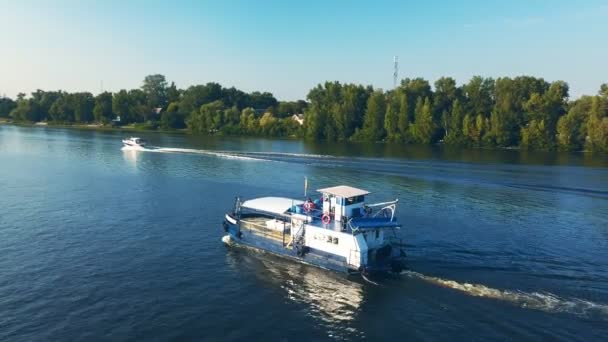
{"x":428,"y":170}
{"x":547,"y":302}
{"x":220,"y":154}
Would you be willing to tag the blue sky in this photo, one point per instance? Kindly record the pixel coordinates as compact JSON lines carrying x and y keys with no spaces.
{"x":288,"y":47}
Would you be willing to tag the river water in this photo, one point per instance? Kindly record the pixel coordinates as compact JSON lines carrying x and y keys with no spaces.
{"x":102,"y":244}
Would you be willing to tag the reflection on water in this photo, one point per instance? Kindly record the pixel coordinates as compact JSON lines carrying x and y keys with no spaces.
{"x":330,"y":298}
{"x":130,"y":156}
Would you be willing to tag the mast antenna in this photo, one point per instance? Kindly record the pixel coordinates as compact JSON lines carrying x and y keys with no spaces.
{"x":395,"y":71}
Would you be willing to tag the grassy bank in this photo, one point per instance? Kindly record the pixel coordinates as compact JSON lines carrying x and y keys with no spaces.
{"x":95,"y":127}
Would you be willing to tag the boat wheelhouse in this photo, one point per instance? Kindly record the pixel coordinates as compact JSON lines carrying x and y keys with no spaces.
{"x":337,"y":231}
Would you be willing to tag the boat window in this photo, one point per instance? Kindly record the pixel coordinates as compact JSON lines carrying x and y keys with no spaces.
{"x":354,"y":200}
{"x":377,"y":234}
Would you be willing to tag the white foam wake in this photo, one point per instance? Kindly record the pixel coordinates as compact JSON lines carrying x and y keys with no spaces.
{"x":220,"y":154}
{"x":534,"y":300}
{"x":288,"y":154}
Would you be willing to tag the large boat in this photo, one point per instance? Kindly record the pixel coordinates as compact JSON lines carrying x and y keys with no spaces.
{"x":134,"y":143}
{"x":338,"y":231}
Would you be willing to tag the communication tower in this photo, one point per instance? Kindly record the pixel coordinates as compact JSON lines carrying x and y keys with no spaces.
{"x":395,"y":71}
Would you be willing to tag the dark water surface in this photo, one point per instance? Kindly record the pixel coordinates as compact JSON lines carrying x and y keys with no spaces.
{"x":102,"y":244}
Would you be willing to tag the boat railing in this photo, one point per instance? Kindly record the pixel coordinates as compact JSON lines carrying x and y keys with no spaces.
{"x":308,"y":209}
{"x":261,"y":229}
{"x":237,"y":207}
{"x":316,"y":213}
{"x":387,"y":209}
{"x":296,"y":235}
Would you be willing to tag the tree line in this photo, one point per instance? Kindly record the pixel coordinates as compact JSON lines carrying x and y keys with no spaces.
{"x":207,"y":108}
{"x":526,"y":112}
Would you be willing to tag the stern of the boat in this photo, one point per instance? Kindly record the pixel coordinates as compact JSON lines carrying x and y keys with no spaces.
{"x":387,"y":259}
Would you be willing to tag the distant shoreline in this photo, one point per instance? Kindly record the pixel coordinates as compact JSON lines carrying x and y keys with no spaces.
{"x":132,"y":129}
{"x":93,"y":127}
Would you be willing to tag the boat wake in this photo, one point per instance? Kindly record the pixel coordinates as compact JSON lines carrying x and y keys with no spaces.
{"x":478,"y":174}
{"x":219,"y":154}
{"x":533,"y":300}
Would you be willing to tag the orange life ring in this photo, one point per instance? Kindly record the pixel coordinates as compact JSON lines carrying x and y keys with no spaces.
{"x":325,"y":218}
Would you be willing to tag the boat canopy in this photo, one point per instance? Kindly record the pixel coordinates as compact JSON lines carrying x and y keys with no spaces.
{"x":344,"y":191}
{"x":273,"y":205}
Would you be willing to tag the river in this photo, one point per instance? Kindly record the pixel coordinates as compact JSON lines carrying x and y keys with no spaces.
{"x":102,"y":244}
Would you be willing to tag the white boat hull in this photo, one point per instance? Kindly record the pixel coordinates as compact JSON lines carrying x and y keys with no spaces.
{"x":133,"y":144}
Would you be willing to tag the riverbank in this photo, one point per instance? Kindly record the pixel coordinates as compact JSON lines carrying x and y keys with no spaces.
{"x":134,"y":128}
{"x":95,"y":127}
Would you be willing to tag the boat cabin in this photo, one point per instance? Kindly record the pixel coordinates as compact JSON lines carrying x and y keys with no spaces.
{"x":344,"y":202}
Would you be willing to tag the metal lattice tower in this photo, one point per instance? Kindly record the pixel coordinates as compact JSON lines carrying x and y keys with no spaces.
{"x":396,"y":71}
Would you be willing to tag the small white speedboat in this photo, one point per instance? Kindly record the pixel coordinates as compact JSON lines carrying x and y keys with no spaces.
{"x":134,"y":143}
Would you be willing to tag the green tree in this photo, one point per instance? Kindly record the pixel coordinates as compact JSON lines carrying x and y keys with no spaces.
{"x":468,"y":129}
{"x":288,"y":108}
{"x":482,"y":126}
{"x":506,"y":115}
{"x":27,"y":110}
{"x":249,"y":123}
{"x":414,"y":89}
{"x":196,"y":96}
{"x":479,"y":94}
{"x":82,"y":104}
{"x":155,"y":89}
{"x":597,"y":127}
{"x":232,"y":116}
{"x":62,"y":110}
{"x":267,"y":121}
{"x":403,"y":121}
{"x":423,"y":127}
{"x":572,"y":128}
{"x":6,"y":106}
{"x":173,"y":94}
{"x":207,"y":119}
{"x":102,"y":110}
{"x":42,"y":102}
{"x":391,"y":119}
{"x":568,"y":133}
{"x":140,"y":106}
{"x":372,"y":121}
{"x":603,"y":90}
{"x":535,"y":136}
{"x":446,"y":92}
{"x":172,"y":118}
{"x":453,"y":123}
{"x":122,"y":106}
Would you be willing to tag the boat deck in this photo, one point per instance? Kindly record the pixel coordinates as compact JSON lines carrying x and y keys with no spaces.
{"x":259,"y":226}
